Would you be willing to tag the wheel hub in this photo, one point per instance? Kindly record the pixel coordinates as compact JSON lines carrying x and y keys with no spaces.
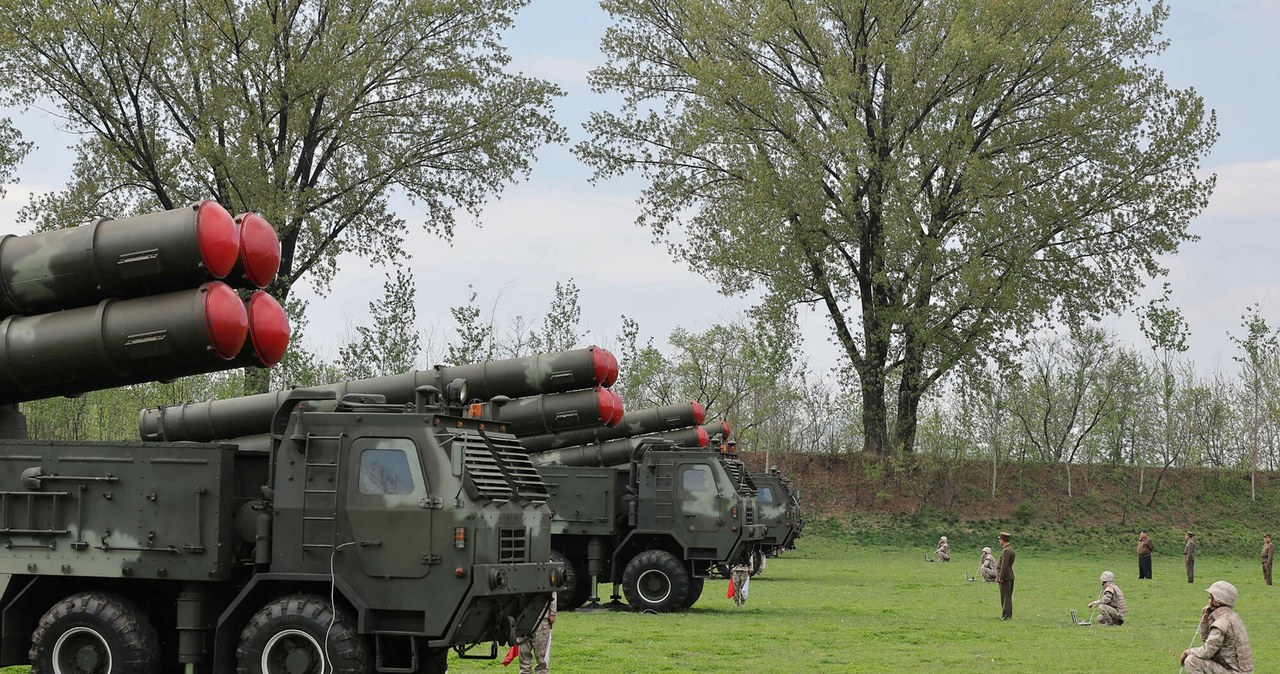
{"x":292,"y":652}
{"x":654,"y":586}
{"x":81,"y":650}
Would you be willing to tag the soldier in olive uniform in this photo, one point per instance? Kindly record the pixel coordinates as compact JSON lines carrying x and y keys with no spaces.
{"x":1266,"y":558}
{"x":1004,"y":576}
{"x":1226,"y":642}
{"x":988,"y":566}
{"x":944,"y":550}
{"x":1111,"y":605}
{"x":535,"y":649}
{"x":1145,"y":548}
{"x":1189,"y":557}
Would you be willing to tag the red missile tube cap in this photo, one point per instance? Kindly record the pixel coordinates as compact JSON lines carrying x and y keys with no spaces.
{"x":699,"y":412}
{"x":610,"y":406}
{"x":217,"y":238}
{"x":259,"y":249}
{"x":225,"y":318}
{"x":605,"y":366}
{"x":703,"y":440}
{"x":621,"y":409}
{"x":613,"y":370}
{"x":268,"y":328}
{"x":725,"y":426}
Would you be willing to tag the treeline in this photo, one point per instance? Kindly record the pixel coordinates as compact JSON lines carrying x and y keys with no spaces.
{"x":1080,"y":397}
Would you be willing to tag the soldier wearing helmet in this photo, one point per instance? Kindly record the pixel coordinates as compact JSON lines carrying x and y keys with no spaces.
{"x":988,"y":566}
{"x":944,"y":550}
{"x":1226,"y":642}
{"x":1111,"y":604}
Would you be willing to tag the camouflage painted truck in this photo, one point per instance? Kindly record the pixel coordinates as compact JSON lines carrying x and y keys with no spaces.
{"x":369,"y":535}
{"x":645,"y":507}
{"x":779,"y":511}
{"x":417,"y":510}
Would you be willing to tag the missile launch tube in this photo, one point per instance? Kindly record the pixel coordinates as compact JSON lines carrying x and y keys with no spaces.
{"x":616,"y":452}
{"x":131,"y":257}
{"x":120,"y":342}
{"x":515,"y":378}
{"x":545,"y":414}
{"x":637,"y":422}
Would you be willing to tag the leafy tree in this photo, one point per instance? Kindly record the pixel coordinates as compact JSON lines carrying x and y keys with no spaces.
{"x":1167,"y":332}
{"x":941,"y":177}
{"x":391,"y":344}
{"x":474,"y":342}
{"x":312,"y":112}
{"x":1260,"y":346}
{"x":1067,"y":389}
{"x":560,"y":325}
{"x":12,"y":150}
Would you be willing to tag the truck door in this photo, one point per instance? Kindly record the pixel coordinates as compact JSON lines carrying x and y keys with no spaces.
{"x":698,"y":497}
{"x":388,"y":507}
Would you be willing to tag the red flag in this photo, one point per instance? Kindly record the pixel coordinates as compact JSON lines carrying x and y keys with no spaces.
{"x":729,"y":594}
{"x":512,"y":654}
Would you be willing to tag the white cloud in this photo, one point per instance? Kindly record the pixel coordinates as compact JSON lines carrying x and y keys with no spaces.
{"x":1248,"y":189}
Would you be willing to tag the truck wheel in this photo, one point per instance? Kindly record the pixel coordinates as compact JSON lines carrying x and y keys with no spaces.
{"x":285,"y":637}
{"x":695,"y":591}
{"x":577,"y":584}
{"x":94,"y":633}
{"x":655,"y":580}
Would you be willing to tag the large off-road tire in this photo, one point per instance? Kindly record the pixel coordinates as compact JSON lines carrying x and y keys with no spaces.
{"x":287,"y":637}
{"x":656,"y":581}
{"x":94,"y":633}
{"x":574,"y":590}
{"x":695,"y":591}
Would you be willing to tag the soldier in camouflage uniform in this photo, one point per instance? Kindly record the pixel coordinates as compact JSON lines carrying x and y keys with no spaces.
{"x":988,"y":566}
{"x":739,"y":576}
{"x":1226,"y":642}
{"x":944,"y":550}
{"x":1111,"y":605}
{"x":534,"y":656}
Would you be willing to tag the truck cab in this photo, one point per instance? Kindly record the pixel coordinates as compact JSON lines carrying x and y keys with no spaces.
{"x":387,"y":533}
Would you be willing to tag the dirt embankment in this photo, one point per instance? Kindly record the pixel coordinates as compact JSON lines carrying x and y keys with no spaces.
{"x":901,"y":499}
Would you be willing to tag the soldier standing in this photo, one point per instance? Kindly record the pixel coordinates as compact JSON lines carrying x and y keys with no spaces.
{"x":988,"y":566}
{"x":1004,"y":576}
{"x":1189,"y":557}
{"x":535,"y":650}
{"x":1111,"y":605}
{"x":1226,"y":642}
{"x":739,"y":575}
{"x":1145,"y":548}
{"x":1266,"y":558}
{"x":944,"y":550}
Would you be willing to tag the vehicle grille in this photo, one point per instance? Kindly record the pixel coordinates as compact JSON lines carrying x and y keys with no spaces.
{"x":498,"y":468}
{"x":514,"y":545}
{"x":738,"y":473}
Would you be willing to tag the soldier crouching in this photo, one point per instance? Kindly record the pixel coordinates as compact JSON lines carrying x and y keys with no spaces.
{"x":1111,"y":605}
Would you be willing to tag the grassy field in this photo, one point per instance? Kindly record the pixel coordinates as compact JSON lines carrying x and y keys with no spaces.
{"x":834,"y":607}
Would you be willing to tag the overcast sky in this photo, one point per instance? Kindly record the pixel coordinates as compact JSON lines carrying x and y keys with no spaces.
{"x":557,"y":226}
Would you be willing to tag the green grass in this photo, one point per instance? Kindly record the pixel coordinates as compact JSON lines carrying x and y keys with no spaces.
{"x":834,"y":607}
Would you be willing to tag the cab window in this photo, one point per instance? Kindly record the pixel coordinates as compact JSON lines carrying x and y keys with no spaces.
{"x":764,"y":495}
{"x":696,"y":479}
{"x":385,"y":468}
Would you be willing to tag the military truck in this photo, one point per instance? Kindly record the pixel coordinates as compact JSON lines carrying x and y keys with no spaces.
{"x":779,"y":511}
{"x":365,"y":536}
{"x":648,"y":513}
